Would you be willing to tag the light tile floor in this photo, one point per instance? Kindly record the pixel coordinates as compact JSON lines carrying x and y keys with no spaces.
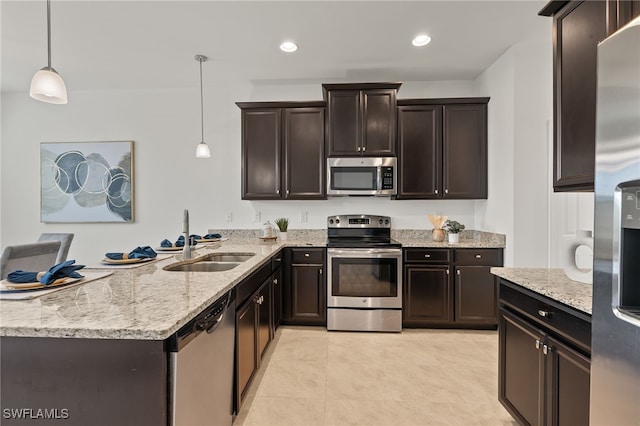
{"x":310,"y":376}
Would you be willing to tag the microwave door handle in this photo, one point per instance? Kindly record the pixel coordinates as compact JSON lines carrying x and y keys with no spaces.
{"x":379,"y":181}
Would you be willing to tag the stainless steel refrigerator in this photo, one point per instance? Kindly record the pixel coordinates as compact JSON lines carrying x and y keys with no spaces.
{"x":615,"y":358}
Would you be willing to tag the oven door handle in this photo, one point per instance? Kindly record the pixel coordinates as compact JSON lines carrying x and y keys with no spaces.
{"x":364,"y":252}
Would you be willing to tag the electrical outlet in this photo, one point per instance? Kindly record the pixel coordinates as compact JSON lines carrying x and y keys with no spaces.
{"x":303,"y":216}
{"x":229,"y":217}
{"x":256,"y":216}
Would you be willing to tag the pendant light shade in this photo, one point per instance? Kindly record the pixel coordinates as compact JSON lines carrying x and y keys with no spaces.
{"x":47,"y":85}
{"x":202,"y":151}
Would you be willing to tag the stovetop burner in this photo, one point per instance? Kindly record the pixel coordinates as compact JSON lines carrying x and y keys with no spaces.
{"x":360,"y":231}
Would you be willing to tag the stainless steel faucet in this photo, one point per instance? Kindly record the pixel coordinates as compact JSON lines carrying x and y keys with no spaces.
{"x":186,"y":251}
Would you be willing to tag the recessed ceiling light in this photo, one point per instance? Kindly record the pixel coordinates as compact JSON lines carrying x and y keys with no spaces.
{"x":421,"y":40}
{"x":288,"y":46}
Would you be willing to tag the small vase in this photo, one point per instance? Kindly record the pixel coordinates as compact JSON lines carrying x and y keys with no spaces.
{"x":283,"y":235}
{"x":454,"y":238}
{"x":437,"y":235}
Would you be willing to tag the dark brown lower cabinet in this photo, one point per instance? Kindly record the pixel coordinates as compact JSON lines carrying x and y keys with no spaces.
{"x":450,"y":287}
{"x":253,"y":333}
{"x":305,"y":287}
{"x":427,"y":295}
{"x":544,"y":369}
{"x":246,"y":348}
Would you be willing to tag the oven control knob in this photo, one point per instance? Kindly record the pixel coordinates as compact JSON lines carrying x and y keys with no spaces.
{"x":337,"y":220}
{"x":380,"y":221}
{"x":386,"y":221}
{"x":331,"y":221}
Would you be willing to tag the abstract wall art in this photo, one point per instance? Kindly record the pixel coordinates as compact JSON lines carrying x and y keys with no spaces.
{"x":86,"y":181}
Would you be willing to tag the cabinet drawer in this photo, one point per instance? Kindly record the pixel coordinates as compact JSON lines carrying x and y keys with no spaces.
{"x":250,"y":285}
{"x":307,"y":255}
{"x":548,"y":314}
{"x":426,"y":255}
{"x":276,"y":261}
{"x":481,"y":257}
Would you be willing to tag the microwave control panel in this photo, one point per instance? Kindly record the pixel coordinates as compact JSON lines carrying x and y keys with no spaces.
{"x":387,"y":178}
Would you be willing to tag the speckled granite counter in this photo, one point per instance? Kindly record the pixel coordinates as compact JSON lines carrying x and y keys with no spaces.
{"x":552,"y":283}
{"x":468,"y":239}
{"x":144,"y":303}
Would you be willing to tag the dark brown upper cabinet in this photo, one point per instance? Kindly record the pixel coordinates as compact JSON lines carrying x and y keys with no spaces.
{"x":361,"y":119}
{"x":283,"y":150}
{"x":442,"y":148}
{"x":578,"y":27}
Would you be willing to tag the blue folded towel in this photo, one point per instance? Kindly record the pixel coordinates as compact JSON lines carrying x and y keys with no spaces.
{"x":145,"y":252}
{"x":212,"y":236}
{"x":62,"y":270}
{"x":180,"y":241}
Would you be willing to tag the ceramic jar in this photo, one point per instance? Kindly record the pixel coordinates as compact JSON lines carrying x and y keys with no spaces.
{"x":437,"y":235}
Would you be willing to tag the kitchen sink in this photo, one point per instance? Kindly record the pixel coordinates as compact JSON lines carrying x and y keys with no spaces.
{"x":212,"y":262}
{"x":226,"y":257}
{"x":202,"y":266}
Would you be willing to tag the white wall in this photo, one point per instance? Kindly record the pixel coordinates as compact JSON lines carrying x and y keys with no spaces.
{"x":165,"y":125}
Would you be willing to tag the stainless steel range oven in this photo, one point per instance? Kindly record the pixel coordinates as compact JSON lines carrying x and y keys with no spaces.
{"x":364,"y":274}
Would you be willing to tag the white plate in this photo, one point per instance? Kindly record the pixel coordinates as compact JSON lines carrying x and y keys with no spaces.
{"x":126,"y":261}
{"x":38,"y":286}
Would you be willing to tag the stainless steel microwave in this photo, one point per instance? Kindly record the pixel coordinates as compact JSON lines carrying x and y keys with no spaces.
{"x":362,"y":176}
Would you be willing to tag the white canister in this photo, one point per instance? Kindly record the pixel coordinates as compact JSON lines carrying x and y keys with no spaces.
{"x":267,"y":230}
{"x":583,"y":238}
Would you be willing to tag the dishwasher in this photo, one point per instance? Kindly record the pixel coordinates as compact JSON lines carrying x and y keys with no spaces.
{"x":201,"y":360}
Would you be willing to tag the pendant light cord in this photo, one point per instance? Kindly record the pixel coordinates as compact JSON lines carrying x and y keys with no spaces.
{"x":49,"y":33}
{"x":201,"y":102}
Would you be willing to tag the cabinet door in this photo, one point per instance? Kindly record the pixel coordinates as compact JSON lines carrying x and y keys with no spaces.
{"x":344,"y":124}
{"x":427,"y":295}
{"x":465,"y":151}
{"x":420,"y":151}
{"x":579,"y":27}
{"x":261,"y":172}
{"x":276,"y":280}
{"x":379,"y":122}
{"x":521,"y":369}
{"x":246,"y":348}
{"x":304,"y":153}
{"x":476,"y":295}
{"x":567,"y":383}
{"x":264,"y":303}
{"x":308,"y":295}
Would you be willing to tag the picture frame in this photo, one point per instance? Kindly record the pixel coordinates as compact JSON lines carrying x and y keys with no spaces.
{"x":86,"y":182}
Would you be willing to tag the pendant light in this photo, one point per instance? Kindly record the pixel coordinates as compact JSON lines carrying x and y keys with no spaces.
{"x":202,"y":151}
{"x":47,"y":85}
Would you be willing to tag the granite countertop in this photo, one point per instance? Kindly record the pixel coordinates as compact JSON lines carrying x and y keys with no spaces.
{"x":552,"y":283}
{"x":468,"y":239}
{"x":148,"y":303}
{"x":145,"y":303}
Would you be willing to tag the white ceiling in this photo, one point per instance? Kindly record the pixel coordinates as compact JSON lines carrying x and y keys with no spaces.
{"x":151,"y":44}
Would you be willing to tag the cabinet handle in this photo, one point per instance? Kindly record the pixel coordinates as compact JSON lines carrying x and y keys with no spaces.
{"x":446,"y":191}
{"x":543,"y":313}
{"x":358,"y":149}
{"x":458,"y":271}
{"x":278,"y":191}
{"x":436,"y":191}
{"x":275,"y":281}
{"x":278,"y":259}
{"x":546,"y":349}
{"x":320,"y":271}
{"x":364,"y":148}
{"x":478,"y":256}
{"x":287,"y":192}
{"x":306,"y":255}
{"x":537,"y":344}
{"x":427,"y":256}
{"x":447,"y":272}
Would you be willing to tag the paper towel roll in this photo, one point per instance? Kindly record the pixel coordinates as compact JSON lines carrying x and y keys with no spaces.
{"x":571,"y":270}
